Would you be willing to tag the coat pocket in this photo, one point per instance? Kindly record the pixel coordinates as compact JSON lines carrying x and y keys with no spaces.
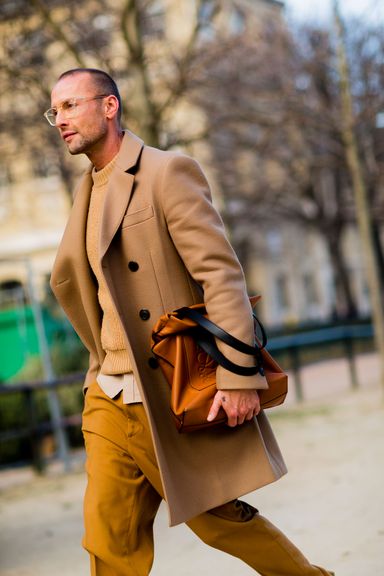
{"x":138,"y":216}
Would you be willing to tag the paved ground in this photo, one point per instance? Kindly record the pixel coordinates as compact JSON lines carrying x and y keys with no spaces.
{"x":330,"y":503}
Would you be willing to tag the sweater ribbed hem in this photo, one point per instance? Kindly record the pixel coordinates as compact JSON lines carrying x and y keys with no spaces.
{"x":116,"y":362}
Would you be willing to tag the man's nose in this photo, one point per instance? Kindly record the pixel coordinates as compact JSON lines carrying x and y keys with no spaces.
{"x":60,"y":119}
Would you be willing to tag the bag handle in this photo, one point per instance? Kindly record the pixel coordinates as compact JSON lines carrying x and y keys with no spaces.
{"x":209,"y":346}
{"x":221,"y":334}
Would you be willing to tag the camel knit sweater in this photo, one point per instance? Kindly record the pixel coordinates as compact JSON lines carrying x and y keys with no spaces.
{"x":112,"y":337}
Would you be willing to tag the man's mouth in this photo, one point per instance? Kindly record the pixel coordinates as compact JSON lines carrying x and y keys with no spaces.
{"x":67,"y":135}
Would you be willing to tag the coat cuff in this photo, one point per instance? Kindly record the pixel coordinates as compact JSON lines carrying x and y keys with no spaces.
{"x":226,"y":380}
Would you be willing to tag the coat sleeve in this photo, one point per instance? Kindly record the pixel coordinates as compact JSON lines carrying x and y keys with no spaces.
{"x":199,"y":236}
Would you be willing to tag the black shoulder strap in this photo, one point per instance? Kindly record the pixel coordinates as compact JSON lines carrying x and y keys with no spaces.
{"x":210,"y":347}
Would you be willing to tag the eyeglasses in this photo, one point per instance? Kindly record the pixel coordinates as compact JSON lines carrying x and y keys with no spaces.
{"x":68,"y":108}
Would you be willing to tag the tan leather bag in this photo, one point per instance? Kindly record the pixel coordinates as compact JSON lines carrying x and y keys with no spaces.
{"x":191,"y":371}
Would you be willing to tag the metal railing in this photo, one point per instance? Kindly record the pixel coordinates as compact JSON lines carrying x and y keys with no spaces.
{"x":293,"y":346}
{"x":34,"y":429}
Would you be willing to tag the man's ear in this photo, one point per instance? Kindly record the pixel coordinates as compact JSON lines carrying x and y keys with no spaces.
{"x":111,"y":106}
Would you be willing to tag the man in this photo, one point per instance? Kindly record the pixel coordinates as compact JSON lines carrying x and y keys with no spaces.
{"x":143,"y":239}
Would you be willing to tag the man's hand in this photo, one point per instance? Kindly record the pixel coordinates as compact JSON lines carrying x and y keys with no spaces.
{"x":239,"y":405}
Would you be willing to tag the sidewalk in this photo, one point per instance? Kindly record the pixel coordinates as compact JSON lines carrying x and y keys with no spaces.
{"x":330,"y":503}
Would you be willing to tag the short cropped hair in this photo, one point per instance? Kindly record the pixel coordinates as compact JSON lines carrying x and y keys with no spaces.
{"x":103,"y":81}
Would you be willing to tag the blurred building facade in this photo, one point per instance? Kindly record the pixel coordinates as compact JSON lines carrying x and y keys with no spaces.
{"x":290,"y":269}
{"x":34,"y":208}
{"x":295,"y":277}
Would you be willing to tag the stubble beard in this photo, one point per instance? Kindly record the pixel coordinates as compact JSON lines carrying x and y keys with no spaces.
{"x":85,"y":144}
{"x":80,"y":147}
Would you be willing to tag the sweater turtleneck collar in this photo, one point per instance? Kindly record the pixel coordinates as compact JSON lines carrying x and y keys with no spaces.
{"x":101,"y":177}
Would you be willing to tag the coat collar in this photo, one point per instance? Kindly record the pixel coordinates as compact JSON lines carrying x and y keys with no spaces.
{"x":120,"y":189}
{"x":129,"y":152}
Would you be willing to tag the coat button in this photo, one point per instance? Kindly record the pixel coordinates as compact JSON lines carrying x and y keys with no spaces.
{"x":133,"y":266}
{"x":144,"y":314}
{"x":153,"y":362}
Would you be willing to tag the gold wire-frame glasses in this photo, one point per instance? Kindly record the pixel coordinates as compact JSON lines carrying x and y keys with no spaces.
{"x":69,"y":108}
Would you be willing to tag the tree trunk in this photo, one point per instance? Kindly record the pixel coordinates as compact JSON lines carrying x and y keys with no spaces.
{"x":345,"y":305}
{"x":363,"y":213}
{"x":378,"y":250}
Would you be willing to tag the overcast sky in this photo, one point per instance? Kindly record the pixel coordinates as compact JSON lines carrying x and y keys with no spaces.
{"x":320,"y":10}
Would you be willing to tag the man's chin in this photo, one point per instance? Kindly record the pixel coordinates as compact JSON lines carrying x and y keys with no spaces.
{"x":73,"y":150}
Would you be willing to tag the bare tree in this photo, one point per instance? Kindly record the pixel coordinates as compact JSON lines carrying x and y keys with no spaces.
{"x":276,"y":132}
{"x":42,"y":38}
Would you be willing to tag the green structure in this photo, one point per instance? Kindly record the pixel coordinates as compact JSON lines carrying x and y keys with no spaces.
{"x":19,"y":340}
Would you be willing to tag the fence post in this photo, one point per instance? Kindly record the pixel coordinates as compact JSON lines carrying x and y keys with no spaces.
{"x":52,"y":395}
{"x":296,"y":369}
{"x":35,"y":437}
{"x":349,"y":349}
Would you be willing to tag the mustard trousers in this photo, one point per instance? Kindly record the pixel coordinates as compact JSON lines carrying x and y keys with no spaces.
{"x":124,"y":492}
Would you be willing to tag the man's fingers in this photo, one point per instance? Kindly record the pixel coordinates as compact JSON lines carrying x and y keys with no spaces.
{"x":216,"y":404}
{"x":238,"y":405}
{"x":233,"y":419}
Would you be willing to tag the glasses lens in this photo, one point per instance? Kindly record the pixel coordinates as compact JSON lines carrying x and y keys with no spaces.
{"x":51,"y":116}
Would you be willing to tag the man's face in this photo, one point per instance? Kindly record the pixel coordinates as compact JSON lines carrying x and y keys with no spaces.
{"x":87,"y":130}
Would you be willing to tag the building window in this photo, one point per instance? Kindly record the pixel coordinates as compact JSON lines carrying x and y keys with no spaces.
{"x":12,"y":293}
{"x":282,"y":292}
{"x":5,"y":200}
{"x":310,"y":290}
{"x":380,"y":120}
{"x":274,"y":242}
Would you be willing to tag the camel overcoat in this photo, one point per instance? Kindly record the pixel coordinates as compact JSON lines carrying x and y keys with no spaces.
{"x":162,"y":245}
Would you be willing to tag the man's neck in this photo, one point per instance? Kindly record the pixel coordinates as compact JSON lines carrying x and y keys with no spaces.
{"x":108,"y":151}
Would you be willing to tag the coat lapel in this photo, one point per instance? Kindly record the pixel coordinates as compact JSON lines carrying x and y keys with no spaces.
{"x":72,"y":279}
{"x":120,"y":189}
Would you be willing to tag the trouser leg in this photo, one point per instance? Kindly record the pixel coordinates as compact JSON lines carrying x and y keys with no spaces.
{"x":238,"y":529}
{"x":124,"y":492}
{"x":120,"y":502}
